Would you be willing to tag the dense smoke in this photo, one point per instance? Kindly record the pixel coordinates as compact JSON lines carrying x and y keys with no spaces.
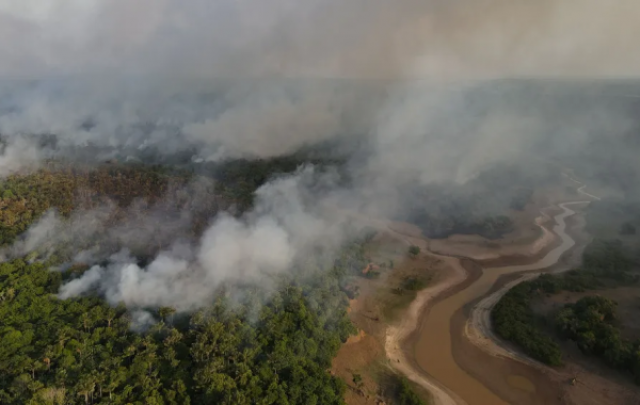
{"x":220,"y":77}
{"x":162,"y":39}
{"x":284,"y":226}
{"x":219,"y":80}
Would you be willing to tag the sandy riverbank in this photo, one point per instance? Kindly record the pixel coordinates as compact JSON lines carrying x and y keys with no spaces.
{"x":435,"y":352}
{"x":403,"y":336}
{"x":478,"y":328}
{"x":397,"y":335}
{"x":435,"y":349}
{"x":399,"y":339}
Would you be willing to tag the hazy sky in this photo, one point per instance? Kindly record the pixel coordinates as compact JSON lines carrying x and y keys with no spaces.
{"x":329,"y":38}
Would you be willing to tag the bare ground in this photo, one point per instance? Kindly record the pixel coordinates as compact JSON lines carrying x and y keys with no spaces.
{"x":528,"y":239}
{"x":380,"y":345}
{"x":478,"y":328}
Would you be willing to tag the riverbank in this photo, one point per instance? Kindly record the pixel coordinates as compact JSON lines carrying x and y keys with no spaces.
{"x":583,"y":379}
{"x":478,"y":328}
{"x":489,"y":367}
{"x":457,"y":275}
{"x":398,"y":335}
{"x":434,"y":343}
{"x":378,"y":304}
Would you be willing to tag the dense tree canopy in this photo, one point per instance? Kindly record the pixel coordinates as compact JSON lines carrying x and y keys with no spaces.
{"x":589,"y":321}
{"x":82,"y":351}
{"x":267,"y":347}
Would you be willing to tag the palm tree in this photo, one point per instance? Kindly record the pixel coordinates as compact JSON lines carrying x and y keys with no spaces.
{"x":166,"y":312}
{"x":110,"y":316}
{"x":99,"y":378}
{"x":86,"y":386}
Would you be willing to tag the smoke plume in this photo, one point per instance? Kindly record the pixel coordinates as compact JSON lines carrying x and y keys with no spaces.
{"x":284,"y":226}
{"x":411,"y":81}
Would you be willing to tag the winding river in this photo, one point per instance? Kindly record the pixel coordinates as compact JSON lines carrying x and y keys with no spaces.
{"x":433,"y":352}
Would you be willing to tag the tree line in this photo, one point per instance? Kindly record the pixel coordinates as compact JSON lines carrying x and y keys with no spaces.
{"x":589,"y":322}
{"x":228,"y":186}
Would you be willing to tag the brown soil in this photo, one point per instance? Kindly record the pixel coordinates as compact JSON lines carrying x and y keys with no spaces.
{"x":518,"y":259}
{"x":489,"y":369}
{"x":571,"y":256}
{"x":504,"y":377}
{"x":376,"y":305}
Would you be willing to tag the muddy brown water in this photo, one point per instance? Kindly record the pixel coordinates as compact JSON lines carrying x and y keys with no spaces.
{"x":433,"y":345}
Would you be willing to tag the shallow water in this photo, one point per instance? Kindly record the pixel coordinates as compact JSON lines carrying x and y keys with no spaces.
{"x":433,"y":346}
{"x":521,"y":383}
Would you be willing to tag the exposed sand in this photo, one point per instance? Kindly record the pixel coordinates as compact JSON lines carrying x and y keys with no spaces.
{"x":356,"y":338}
{"x":376,"y":305}
{"x":397,"y":334}
{"x":434,"y":349}
{"x":479,"y":331}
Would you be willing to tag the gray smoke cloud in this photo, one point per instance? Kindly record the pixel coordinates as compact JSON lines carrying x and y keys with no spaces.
{"x":164,"y":74}
{"x":321,"y":38}
{"x":228,"y":79}
{"x":88,"y":235}
{"x":284,"y":226}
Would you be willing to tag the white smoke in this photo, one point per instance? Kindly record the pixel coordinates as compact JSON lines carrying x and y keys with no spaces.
{"x":320,"y":38}
{"x":90,"y":279}
{"x":220,"y":79}
{"x":168,"y":53}
{"x":18,"y":154}
{"x":141,"y":320}
{"x":265,"y":242}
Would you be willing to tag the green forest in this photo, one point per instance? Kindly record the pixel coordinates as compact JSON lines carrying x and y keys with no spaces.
{"x":590,"y":322}
{"x":81,"y":351}
{"x":266,"y":347}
